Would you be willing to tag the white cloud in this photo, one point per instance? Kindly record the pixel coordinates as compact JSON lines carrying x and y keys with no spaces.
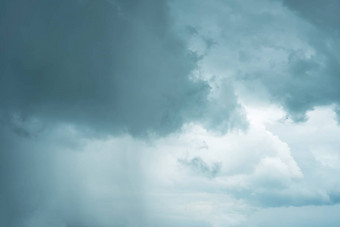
{"x":194,"y":178}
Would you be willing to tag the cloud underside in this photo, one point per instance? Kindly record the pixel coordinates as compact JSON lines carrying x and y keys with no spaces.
{"x":169,"y":113}
{"x":115,"y":66}
{"x":120,"y":66}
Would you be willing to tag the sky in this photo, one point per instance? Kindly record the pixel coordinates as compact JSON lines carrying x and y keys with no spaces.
{"x":169,"y":113}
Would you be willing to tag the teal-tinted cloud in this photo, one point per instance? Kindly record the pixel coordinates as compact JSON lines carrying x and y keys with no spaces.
{"x":115,"y":66}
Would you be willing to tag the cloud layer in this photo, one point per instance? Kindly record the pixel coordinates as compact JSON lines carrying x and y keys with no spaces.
{"x":116,"y":66}
{"x":169,"y":113}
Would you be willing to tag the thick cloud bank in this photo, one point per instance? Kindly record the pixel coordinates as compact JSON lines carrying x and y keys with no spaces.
{"x":111,"y":65}
{"x":169,"y":113}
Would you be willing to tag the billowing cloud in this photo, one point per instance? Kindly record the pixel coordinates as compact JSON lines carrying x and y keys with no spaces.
{"x":115,"y":66}
{"x":288,"y":56}
{"x":169,"y":113}
{"x":192,"y":178}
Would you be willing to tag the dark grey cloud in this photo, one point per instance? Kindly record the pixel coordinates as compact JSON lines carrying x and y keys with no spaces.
{"x":70,"y":68}
{"x":104,"y":67}
{"x":309,"y":80}
{"x":286,"y":48}
{"x":323,"y":14}
{"x":321,"y":73}
{"x":110,"y":65}
{"x":305,"y":83}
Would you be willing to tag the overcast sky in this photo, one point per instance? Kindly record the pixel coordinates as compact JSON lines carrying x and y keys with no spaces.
{"x":169,"y":113}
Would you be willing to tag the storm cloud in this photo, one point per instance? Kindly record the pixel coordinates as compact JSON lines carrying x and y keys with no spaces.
{"x":169,"y":113}
{"x":116,"y":66}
